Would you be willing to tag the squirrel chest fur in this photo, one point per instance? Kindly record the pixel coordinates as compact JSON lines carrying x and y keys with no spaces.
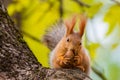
{"x":69,"y":52}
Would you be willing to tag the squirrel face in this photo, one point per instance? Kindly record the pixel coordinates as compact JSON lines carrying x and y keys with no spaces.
{"x":73,"y":43}
{"x":71,"y":46}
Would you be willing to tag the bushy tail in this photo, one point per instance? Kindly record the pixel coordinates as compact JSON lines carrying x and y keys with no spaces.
{"x":53,"y":35}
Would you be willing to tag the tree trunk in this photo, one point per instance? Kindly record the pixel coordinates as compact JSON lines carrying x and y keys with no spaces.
{"x":17,"y":61}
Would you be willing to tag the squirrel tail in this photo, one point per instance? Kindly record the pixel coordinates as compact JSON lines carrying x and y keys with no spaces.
{"x":53,"y":35}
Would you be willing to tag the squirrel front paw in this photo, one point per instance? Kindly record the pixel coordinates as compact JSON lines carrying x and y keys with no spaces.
{"x":63,"y":61}
{"x":77,"y":60}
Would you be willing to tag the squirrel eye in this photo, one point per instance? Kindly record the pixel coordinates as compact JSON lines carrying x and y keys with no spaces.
{"x":80,"y":43}
{"x":68,"y":40}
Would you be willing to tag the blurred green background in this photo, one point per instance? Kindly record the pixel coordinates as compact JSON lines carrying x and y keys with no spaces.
{"x":102,"y":35}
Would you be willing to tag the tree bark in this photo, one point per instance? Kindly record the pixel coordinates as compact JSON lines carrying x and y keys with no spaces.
{"x":17,"y":61}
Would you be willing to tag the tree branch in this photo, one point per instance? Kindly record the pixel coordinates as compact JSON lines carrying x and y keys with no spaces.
{"x":116,"y":1}
{"x":17,"y":61}
{"x":98,"y":72}
{"x":61,"y":8}
{"x":31,"y":37}
{"x":81,"y":3}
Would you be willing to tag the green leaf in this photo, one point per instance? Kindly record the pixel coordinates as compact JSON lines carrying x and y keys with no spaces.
{"x":115,"y":45}
{"x":112,"y":17}
{"x":93,"y":9}
{"x":92,"y":49}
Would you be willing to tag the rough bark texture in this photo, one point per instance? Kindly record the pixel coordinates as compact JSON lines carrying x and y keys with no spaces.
{"x":17,"y":62}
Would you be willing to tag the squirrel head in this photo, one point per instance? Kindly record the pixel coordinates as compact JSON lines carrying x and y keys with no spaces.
{"x":73,"y":40}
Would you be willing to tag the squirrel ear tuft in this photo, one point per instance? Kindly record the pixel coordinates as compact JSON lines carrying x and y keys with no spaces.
{"x":70,"y":25}
{"x":82,"y":24}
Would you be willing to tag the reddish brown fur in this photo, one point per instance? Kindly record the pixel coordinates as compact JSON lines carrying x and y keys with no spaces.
{"x":69,"y":53}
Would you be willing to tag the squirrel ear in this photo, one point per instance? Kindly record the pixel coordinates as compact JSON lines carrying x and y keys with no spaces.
{"x":82,"y":24}
{"x":70,"y":25}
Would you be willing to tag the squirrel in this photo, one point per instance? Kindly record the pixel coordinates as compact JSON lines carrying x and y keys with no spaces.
{"x":66,"y":45}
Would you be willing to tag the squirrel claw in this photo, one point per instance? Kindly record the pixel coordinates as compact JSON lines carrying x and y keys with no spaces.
{"x":77,"y":60}
{"x":64,"y":61}
{"x":82,"y":68}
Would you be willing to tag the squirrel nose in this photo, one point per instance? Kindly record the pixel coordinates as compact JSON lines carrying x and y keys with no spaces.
{"x":73,"y":50}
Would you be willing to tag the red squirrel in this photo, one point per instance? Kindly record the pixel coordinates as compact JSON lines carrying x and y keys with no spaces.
{"x":66,"y":45}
